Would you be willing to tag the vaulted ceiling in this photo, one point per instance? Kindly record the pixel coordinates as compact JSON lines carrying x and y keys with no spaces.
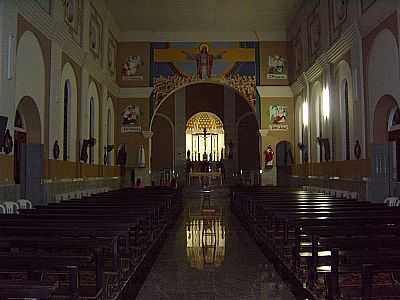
{"x":224,"y":16}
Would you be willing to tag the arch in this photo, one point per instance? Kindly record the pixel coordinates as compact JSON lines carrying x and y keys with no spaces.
{"x":245,"y":115}
{"x":345,"y":136}
{"x":30,"y":77}
{"x":91,"y":121}
{"x":315,"y":121}
{"x":162,"y":141}
{"x":109,"y":128}
{"x":284,"y":155}
{"x":205,"y":136}
{"x":383,"y":73}
{"x":60,"y":111}
{"x":248,"y":143}
{"x":190,"y":84}
{"x":30,"y":116}
{"x":381,"y":120}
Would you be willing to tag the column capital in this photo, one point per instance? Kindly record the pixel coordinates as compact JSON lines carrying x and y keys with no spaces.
{"x":263,"y":132}
{"x":147,"y":134}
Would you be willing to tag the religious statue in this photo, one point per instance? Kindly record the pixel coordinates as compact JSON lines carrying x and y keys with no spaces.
{"x":56,"y":150}
{"x":131,"y":115}
{"x":188,"y":155}
{"x":357,"y":150}
{"x":8,"y":142}
{"x":229,"y":148}
{"x":204,"y":61}
{"x":121,"y":155}
{"x":269,"y":157}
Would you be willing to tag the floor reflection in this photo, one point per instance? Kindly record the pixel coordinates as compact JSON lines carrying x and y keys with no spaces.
{"x":208,"y":255}
{"x":205,"y":238}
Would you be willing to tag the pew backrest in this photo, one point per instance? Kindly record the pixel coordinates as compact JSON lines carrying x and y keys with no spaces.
{"x":11,"y":207}
{"x":392,"y":201}
{"x":24,"y":204}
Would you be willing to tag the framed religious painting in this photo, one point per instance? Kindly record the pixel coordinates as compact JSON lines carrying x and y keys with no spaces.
{"x":95,"y":34}
{"x":278,"y":117}
{"x":339,"y":12}
{"x":365,"y":4}
{"x":45,"y":5}
{"x":314,"y":32}
{"x":73,"y":18}
{"x":277,"y":67}
{"x":111,"y":53}
{"x":131,"y":119}
{"x":298,"y":53}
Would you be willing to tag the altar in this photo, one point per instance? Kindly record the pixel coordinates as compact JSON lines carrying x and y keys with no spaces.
{"x":205,"y":178}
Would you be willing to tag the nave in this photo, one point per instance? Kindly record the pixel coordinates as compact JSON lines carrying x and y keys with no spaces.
{"x":229,"y":267}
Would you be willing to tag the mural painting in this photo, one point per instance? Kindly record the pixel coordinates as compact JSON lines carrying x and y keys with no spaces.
{"x":278,"y":116}
{"x":277,"y":67}
{"x":229,"y":63}
{"x":130,"y":121}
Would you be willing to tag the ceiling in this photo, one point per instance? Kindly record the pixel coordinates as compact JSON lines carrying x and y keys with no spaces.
{"x":224,"y":16}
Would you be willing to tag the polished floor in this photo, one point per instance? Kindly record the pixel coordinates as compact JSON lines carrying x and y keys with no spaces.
{"x":209,"y":256}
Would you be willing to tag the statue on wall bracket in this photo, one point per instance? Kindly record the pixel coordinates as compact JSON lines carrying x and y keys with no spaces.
{"x":269,"y":157}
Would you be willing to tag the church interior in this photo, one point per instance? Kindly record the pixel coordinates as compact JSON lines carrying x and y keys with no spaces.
{"x":200,"y":149}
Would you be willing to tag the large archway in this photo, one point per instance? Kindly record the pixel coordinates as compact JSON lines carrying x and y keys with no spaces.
{"x":205,"y":138}
{"x":240,"y":126}
{"x":385,"y":148}
{"x":28,"y":152}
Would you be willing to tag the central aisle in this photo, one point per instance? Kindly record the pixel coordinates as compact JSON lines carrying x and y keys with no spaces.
{"x":208,"y":255}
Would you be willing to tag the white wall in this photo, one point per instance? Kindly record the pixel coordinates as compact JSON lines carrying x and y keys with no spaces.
{"x":30,"y":74}
{"x":383,"y":73}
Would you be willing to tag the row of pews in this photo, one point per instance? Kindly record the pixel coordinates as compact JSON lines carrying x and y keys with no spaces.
{"x":331,"y":248}
{"x":97,"y":247}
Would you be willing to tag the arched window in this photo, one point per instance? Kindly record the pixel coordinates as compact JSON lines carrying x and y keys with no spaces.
{"x":66,"y":119}
{"x":347,"y":119}
{"x":91,"y":129}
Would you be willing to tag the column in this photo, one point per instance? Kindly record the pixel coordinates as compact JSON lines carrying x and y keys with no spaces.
{"x":231,"y":165}
{"x":180,"y":133}
{"x":57,"y":95}
{"x":8,"y":52}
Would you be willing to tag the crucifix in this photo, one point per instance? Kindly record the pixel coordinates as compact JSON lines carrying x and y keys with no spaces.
{"x":205,"y":144}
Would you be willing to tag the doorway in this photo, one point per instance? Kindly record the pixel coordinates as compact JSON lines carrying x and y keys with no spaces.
{"x":284,"y":160}
{"x":28,"y":151}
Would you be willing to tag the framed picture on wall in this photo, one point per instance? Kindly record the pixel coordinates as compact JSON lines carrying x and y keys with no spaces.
{"x":365,"y":4}
{"x":298,"y":53}
{"x":277,"y":67}
{"x":73,"y":18}
{"x":339,"y":12}
{"x":111,"y":53}
{"x":95,"y":33}
{"x":45,"y":4}
{"x":278,"y":118}
{"x":314,"y":32}
{"x":131,"y":119}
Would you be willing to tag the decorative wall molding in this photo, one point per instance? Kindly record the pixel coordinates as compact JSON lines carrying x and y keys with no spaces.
{"x":57,"y":31}
{"x":275,"y":91}
{"x":331,"y":56}
{"x":139,"y":92}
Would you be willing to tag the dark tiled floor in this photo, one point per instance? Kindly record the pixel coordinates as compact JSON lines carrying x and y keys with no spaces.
{"x":208,"y":255}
